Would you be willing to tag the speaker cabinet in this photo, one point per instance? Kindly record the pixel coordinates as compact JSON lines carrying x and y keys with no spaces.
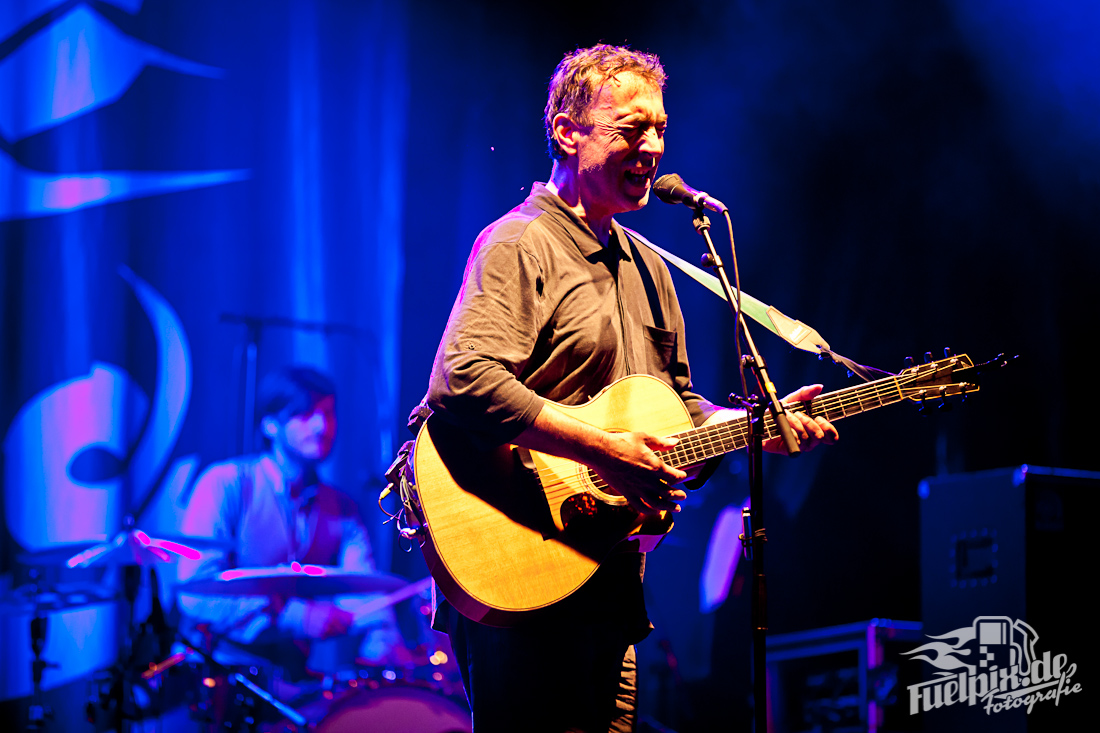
{"x":1007,"y":567}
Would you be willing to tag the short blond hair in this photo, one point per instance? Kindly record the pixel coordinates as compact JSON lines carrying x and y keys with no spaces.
{"x":577,"y":80}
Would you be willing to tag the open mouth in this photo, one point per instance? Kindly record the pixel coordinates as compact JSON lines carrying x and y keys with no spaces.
{"x":639,"y":178}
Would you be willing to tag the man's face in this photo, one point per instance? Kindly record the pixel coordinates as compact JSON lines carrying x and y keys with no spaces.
{"x":618,"y":154}
{"x":309,"y":436}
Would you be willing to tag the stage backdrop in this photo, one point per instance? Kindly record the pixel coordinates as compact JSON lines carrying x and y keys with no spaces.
{"x":170,"y":172}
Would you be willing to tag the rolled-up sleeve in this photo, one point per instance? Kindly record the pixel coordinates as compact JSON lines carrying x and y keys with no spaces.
{"x":488,"y":341}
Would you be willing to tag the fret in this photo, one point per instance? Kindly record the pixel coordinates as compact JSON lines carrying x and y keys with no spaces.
{"x":703,"y":443}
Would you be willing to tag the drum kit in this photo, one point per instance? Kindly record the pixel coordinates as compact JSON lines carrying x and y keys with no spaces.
{"x":167,"y":681}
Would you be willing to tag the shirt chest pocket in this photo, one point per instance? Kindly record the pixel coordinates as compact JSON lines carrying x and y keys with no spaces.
{"x":660,"y":352}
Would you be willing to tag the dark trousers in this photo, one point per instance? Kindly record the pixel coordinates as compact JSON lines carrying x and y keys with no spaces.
{"x":546,"y":679}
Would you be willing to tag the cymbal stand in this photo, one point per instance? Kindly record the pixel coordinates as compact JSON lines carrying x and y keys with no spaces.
{"x":38,"y":712}
{"x":113,"y":688}
{"x":122,"y":689}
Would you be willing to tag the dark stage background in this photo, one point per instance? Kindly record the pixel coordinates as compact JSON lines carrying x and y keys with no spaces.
{"x":902,"y":177}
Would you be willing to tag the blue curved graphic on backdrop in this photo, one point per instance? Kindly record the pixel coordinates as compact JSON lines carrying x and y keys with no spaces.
{"x":45,"y":504}
{"x":55,"y":495}
{"x":77,"y":64}
{"x":172,"y":392}
{"x":101,"y":414}
{"x":15,"y":14}
{"x":27,"y":194}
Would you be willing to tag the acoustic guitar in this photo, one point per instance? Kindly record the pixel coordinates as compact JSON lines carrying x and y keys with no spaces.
{"x":510,"y":531}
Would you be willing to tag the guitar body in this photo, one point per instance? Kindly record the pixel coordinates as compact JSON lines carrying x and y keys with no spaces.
{"x":510,"y":532}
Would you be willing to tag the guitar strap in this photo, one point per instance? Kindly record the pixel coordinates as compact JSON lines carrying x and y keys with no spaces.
{"x":795,"y":333}
{"x":650,"y":286}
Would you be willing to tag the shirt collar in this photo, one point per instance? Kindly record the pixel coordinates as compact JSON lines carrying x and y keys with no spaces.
{"x":543,"y":198}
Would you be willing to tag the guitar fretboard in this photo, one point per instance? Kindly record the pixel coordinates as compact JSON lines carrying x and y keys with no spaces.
{"x":701,"y":444}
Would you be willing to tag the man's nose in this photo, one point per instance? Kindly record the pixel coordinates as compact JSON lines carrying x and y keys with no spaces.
{"x":317,"y":422}
{"x":652,"y":143}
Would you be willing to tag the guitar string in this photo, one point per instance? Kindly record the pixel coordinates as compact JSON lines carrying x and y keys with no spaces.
{"x":706,"y":442}
{"x":737,"y":429}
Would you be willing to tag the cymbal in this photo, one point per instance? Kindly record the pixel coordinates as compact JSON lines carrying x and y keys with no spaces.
{"x":129,"y":547}
{"x":58,"y":555}
{"x":293,"y":581}
{"x":196,"y":543}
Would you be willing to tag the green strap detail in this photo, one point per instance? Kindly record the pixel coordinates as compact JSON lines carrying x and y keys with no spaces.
{"x":794,"y":332}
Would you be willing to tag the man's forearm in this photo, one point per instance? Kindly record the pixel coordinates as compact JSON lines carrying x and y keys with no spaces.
{"x":559,"y":434}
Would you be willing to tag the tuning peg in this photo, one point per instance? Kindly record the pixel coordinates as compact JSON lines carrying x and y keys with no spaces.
{"x":947,"y":352}
{"x":910,"y":362}
{"x":944,"y":404}
{"x":928,"y":357}
{"x":923,"y":398}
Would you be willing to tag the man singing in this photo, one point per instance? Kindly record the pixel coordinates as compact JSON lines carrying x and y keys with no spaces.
{"x":554,"y":306}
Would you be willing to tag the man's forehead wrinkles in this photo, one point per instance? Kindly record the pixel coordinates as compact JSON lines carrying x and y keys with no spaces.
{"x":642,"y":116}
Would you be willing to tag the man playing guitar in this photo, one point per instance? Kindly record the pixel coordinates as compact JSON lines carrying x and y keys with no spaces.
{"x":555,"y":306}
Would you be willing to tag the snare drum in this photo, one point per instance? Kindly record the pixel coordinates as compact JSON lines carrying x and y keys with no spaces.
{"x":396,"y":709}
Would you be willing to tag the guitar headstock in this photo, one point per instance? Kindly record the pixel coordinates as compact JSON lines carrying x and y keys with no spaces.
{"x":952,"y":376}
{"x":937,"y":380}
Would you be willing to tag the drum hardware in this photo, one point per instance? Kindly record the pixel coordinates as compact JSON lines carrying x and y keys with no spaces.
{"x":113,"y":690}
{"x":396,"y":708}
{"x":38,"y":713}
{"x":149,"y":681}
{"x":422,"y":687}
{"x":214,"y":673}
{"x":119,"y":691}
{"x":38,"y":600}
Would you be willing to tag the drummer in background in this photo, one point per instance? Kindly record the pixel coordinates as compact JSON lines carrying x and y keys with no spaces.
{"x":274,"y":509}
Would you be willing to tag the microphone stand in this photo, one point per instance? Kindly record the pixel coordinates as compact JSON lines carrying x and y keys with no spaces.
{"x":753,"y":538}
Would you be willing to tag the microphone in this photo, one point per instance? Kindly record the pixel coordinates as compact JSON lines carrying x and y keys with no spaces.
{"x":671,"y":189}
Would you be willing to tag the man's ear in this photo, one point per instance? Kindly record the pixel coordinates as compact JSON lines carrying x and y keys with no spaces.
{"x":567,"y":132}
{"x":269,"y":427}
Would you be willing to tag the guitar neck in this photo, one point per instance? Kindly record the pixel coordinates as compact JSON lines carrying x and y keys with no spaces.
{"x":701,"y":444}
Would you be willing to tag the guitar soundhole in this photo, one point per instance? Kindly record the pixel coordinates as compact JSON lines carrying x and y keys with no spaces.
{"x":579,"y":507}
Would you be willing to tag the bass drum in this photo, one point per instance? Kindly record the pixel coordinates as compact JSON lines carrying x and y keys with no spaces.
{"x":396,"y":710}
